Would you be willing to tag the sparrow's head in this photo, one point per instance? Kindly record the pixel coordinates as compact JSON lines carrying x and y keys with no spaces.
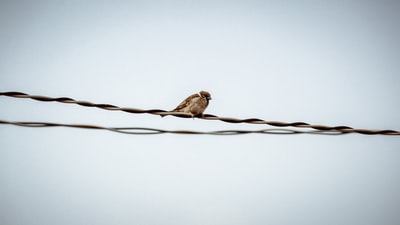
{"x":206,"y":95}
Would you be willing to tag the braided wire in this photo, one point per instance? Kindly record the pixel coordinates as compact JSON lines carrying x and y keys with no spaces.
{"x":144,"y":130}
{"x":341,"y":129}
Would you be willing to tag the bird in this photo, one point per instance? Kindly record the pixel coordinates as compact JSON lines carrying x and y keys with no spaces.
{"x":195,"y":104}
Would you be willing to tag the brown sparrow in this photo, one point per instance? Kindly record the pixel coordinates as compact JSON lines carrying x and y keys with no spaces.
{"x":194,"y":104}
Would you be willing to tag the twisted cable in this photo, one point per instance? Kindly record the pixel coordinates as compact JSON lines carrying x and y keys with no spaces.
{"x":144,"y":130}
{"x":341,"y":129}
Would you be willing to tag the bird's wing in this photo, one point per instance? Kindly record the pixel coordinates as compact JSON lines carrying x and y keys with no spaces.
{"x":186,"y":102}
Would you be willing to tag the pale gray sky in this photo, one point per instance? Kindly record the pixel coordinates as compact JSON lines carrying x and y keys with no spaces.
{"x":331,"y":63}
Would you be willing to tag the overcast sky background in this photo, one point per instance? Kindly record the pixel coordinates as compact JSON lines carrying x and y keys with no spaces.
{"x":321,"y":62}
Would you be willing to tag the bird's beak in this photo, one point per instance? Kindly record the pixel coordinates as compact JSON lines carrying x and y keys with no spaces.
{"x":209,"y":98}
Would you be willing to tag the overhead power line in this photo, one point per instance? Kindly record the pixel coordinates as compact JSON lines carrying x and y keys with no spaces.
{"x":144,"y":130}
{"x":324,"y":128}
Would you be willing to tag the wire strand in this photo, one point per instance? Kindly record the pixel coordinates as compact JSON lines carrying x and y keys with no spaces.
{"x":341,"y":129}
{"x":144,"y":130}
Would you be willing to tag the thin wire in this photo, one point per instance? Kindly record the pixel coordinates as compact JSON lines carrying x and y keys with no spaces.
{"x":144,"y":130}
{"x":341,"y":129}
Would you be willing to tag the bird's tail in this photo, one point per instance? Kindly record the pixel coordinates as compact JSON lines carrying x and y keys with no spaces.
{"x":166,"y":114}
